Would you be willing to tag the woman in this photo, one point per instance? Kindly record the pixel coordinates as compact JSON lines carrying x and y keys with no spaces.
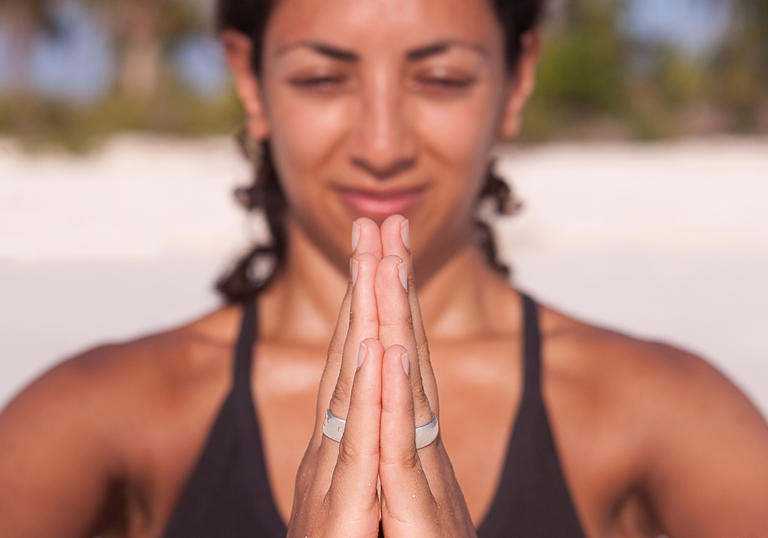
{"x":380,"y":117}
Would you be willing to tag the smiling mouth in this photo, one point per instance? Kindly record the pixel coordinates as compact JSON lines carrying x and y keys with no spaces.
{"x":380,"y":204}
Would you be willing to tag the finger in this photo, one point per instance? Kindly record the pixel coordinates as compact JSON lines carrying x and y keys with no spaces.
{"x":356,"y":471}
{"x":365,"y":239}
{"x":395,"y":241}
{"x":405,"y":490}
{"x":363,"y":324}
{"x":363,"y":318}
{"x":332,"y":364}
{"x":335,"y":394}
{"x":395,"y":325}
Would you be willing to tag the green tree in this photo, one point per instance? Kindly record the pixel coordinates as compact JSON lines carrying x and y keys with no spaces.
{"x":581,"y":71}
{"x":740,"y":68}
{"x":143,"y":32}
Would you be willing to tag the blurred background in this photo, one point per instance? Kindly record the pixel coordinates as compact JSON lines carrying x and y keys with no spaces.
{"x":643,"y":167}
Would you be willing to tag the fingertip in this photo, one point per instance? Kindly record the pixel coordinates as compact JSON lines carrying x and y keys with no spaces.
{"x":392,"y":237}
{"x":361,"y":354}
{"x":395,"y":362}
{"x":392,"y":272}
{"x":363,"y":309}
{"x":395,"y":350}
{"x":369,"y":237}
{"x":391,"y":261}
{"x":374,"y":346}
{"x":402,"y":273}
{"x":366,"y":221}
{"x":363,"y":267}
{"x":366,"y":387}
{"x":370,"y":352}
{"x":392,"y":223}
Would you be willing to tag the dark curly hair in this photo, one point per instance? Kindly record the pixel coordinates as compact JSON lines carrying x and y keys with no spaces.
{"x":265,"y":194}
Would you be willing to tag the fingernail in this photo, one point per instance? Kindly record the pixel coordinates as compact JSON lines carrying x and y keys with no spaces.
{"x":405,"y":234}
{"x":355,"y":235}
{"x":403,"y":273}
{"x":361,"y":354}
{"x":406,"y":364}
{"x":353,"y":267}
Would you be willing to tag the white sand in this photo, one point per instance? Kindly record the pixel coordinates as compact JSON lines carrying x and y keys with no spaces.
{"x":665,"y":241}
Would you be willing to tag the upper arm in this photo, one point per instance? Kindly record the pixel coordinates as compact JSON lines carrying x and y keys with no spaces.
{"x":708,"y":454}
{"x":57,"y":459}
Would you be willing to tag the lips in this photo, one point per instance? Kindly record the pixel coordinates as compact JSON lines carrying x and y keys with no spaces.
{"x":380,"y":204}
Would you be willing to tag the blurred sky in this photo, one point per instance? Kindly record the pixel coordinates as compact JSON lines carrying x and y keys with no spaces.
{"x":82,"y":48}
{"x":694,"y":25}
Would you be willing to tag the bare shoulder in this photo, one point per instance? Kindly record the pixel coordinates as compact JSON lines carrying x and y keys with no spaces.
{"x":697,"y":446}
{"x":94,"y":424}
{"x":654,"y":376}
{"x":122,"y":379}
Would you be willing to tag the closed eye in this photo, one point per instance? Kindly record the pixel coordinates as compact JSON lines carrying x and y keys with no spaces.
{"x":317,"y":81}
{"x":458,"y":83}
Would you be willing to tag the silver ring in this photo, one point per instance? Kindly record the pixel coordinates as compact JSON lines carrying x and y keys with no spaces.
{"x":333,"y":428}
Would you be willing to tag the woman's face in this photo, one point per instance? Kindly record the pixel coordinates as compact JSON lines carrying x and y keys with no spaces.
{"x":376,"y":107}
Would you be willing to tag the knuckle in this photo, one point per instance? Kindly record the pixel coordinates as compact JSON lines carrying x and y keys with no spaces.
{"x":335,"y":348}
{"x":340,"y":397}
{"x":409,"y":461}
{"x":400,"y":462}
{"x":347,"y":453}
{"x":305,"y":478}
{"x":420,"y":397}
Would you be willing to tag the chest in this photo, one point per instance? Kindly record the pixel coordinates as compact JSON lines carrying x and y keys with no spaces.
{"x":480,"y":407}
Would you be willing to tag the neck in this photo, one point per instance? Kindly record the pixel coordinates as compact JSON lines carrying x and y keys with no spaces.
{"x":459,"y":296}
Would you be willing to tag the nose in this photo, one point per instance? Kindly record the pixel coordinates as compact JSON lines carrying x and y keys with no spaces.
{"x":381,"y":141}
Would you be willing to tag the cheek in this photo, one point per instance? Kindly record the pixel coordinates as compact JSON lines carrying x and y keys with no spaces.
{"x":458,"y":136}
{"x":460,"y":130}
{"x":304,"y":137}
{"x":309,"y":123}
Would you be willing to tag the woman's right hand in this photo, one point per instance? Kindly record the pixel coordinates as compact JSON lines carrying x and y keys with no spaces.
{"x":336,"y":485}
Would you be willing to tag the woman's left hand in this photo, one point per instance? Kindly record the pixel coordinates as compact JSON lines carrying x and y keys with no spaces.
{"x":420,"y":495}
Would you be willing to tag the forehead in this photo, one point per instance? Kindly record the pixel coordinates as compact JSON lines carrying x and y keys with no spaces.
{"x":393,"y":25}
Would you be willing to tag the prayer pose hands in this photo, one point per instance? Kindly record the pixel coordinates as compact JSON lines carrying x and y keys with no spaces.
{"x":384,"y":387}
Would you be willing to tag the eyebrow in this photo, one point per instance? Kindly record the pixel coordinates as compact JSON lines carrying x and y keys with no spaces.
{"x":415,"y":54}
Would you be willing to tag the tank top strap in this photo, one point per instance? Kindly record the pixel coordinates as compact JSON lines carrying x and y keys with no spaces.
{"x":249,"y":327}
{"x":531,"y":348}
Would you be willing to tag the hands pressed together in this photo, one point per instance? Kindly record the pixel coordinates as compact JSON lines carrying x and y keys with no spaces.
{"x":379,"y":378}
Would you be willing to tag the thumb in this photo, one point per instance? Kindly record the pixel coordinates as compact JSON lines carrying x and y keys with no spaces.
{"x":404,"y":486}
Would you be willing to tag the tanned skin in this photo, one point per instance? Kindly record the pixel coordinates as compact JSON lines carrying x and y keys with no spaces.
{"x":652,"y":439}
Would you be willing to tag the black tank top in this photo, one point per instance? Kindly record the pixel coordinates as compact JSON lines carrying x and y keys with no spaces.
{"x":228,"y":494}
